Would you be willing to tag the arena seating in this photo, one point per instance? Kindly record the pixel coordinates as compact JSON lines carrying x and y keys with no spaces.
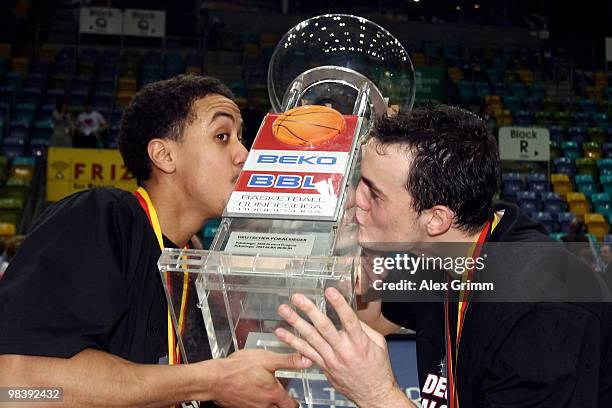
{"x":509,"y":83}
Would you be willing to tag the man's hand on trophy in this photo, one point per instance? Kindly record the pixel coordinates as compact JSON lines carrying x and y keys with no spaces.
{"x":246,"y":379}
{"x":354,"y":359}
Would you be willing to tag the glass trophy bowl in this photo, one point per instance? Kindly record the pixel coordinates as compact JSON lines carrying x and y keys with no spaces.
{"x":341,"y":41}
{"x":289,"y":226}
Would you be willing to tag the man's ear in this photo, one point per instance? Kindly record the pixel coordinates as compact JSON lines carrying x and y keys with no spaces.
{"x":160,"y":154}
{"x":439,"y":220}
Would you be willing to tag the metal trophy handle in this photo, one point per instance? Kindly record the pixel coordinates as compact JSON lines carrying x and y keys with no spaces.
{"x":327,"y":76}
{"x":289,"y":227}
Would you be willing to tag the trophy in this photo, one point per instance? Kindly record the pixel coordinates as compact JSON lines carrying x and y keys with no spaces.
{"x":289,"y":227}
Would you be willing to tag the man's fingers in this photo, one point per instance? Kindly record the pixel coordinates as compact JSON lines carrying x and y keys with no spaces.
{"x":375,"y":336}
{"x":285,"y":400}
{"x":307,"y":331}
{"x":277,"y":361}
{"x":300,"y":346}
{"x":348,"y":317}
{"x":319,"y":320}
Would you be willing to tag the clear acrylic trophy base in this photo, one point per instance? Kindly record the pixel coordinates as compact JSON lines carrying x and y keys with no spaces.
{"x":234,"y":298}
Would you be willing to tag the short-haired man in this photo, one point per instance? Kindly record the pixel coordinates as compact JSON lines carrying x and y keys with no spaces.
{"x":82,"y":305}
{"x":428,"y":176}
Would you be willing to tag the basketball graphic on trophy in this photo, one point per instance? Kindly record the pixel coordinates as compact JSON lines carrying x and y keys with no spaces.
{"x":308,"y":126}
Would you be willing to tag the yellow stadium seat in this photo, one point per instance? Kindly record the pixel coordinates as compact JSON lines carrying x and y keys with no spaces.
{"x":578,"y":204}
{"x":505,"y":118}
{"x":251,"y":49}
{"x":596,"y":225}
{"x":5,"y":50}
{"x":594,"y":93}
{"x":526,"y":76}
{"x":127,"y":84}
{"x":455,"y":74}
{"x":22,"y":7}
{"x":419,"y":59}
{"x":269,"y":38}
{"x":493,"y":100}
{"x":19,"y":65}
{"x":600,"y":78}
{"x":193,"y":70}
{"x":22,"y":171}
{"x":124,"y":97}
{"x":48,"y":52}
{"x":7,"y":229}
{"x":561,"y":184}
{"x":592,"y":150}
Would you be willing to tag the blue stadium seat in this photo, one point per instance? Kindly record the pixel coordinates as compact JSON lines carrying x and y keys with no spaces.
{"x":520,"y":90}
{"x":25,"y":112}
{"x":528,"y":201}
{"x":533,"y":103}
{"x":537,"y":182}
{"x":565,"y":165}
{"x":42,"y":131}
{"x":53,"y":95}
{"x":36,"y":80}
{"x":553,"y":203}
{"x":31,"y":95}
{"x":577,"y":134}
{"x":62,"y":68}
{"x":104,"y":85}
{"x":513,"y":103}
{"x":11,"y":151}
{"x":502,"y":89}
{"x":66,"y":54}
{"x":82,"y":83}
{"x":557,"y":133}
{"x":39,"y":67}
{"x":606,"y":183}
{"x":116,"y":115}
{"x":588,"y":105}
{"x":466,"y":90}
{"x":511,"y":184}
{"x":19,"y":131}
{"x":585,"y":184}
{"x":605,"y":164}
{"x":7,"y":93}
{"x":607,"y":150}
{"x":524,"y":118}
{"x":5,"y":109}
{"x":582,"y":118}
{"x":78,"y":96}
{"x":601,"y":119}
{"x":45,"y":111}
{"x":546,"y":219}
{"x":103,"y":99}
{"x":89,"y":54}
{"x":602,"y":204}
{"x":564,"y":219}
{"x":571,"y":149}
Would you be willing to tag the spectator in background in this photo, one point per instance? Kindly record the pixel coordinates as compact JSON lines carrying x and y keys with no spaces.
{"x":607,"y":276}
{"x":576,"y":233}
{"x":606,"y":256}
{"x":91,"y":126}
{"x":486,"y":114}
{"x":63,"y":125}
{"x":577,"y":242}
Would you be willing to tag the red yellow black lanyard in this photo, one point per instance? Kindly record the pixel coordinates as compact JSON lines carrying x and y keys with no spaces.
{"x":174,"y":355}
{"x":462,"y":306}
